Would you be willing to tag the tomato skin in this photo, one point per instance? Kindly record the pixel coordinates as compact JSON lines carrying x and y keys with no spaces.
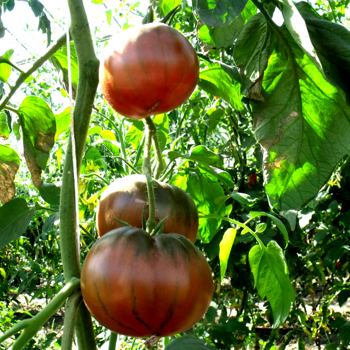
{"x":138,"y":285}
{"x":126,"y":198}
{"x":148,"y":70}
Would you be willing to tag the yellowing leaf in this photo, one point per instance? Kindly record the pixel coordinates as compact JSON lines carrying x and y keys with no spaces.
{"x":225,"y":249}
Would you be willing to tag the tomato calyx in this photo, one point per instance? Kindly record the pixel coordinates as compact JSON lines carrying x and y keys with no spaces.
{"x":151,"y":341}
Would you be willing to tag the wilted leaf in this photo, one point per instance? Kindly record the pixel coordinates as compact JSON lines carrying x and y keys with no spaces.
{"x":39,"y":128}
{"x":9,"y":164}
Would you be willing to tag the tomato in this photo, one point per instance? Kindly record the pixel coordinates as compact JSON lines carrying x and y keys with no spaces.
{"x":138,"y":285}
{"x":127,"y":197}
{"x":148,"y":70}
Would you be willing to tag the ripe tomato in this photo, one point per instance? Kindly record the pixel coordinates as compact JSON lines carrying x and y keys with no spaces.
{"x":148,"y":70}
{"x":139,"y":285}
{"x":127,"y":197}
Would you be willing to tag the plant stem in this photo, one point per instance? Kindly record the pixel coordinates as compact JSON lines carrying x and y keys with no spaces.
{"x":87,"y":86}
{"x":11,"y":109}
{"x":33,"y":325}
{"x":39,"y":62}
{"x":113,"y":339}
{"x":216,"y":216}
{"x":3,"y":60}
{"x":146,"y":169}
{"x":70,"y":317}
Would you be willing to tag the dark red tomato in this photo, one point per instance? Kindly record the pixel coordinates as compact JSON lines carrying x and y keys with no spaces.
{"x":148,"y":70}
{"x":127,"y":197}
{"x":138,"y":285}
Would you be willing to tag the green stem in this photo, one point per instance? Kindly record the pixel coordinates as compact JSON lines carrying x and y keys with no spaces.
{"x":97,"y":175}
{"x":113,"y":339}
{"x":151,"y":221}
{"x":38,"y":63}
{"x":11,"y":109}
{"x":70,"y":317}
{"x":127,"y":163}
{"x":3,"y":60}
{"x":87,"y":86}
{"x":139,"y":152}
{"x":152,"y":129}
{"x":146,"y":169}
{"x":33,"y":325}
{"x":166,"y":341}
{"x":216,"y":216}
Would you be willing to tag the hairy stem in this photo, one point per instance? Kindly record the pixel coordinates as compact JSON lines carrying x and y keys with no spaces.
{"x":70,"y":317}
{"x":33,"y":325}
{"x":38,"y":63}
{"x":87,"y":86}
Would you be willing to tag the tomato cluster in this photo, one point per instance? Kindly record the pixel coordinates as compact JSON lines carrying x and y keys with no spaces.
{"x":133,"y":282}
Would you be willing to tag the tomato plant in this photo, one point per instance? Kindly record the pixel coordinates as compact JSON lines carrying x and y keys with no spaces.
{"x":139,"y":285}
{"x":127,"y":198}
{"x":148,"y":70}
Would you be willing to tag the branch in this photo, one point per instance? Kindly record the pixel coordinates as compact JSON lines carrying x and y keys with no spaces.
{"x":33,"y":325}
{"x":87,"y":86}
{"x":38,"y":63}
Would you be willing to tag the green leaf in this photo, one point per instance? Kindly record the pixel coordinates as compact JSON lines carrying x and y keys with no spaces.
{"x":332,"y":44}
{"x":261,"y":227}
{"x":9,"y":164}
{"x":251,"y":55}
{"x":225,"y":249}
{"x":50,"y":193}
{"x":62,"y":122}
{"x":39,"y":128}
{"x":225,"y":36}
{"x":134,"y":136}
{"x":344,"y":332}
{"x":36,"y":6}
{"x":220,"y":174}
{"x":209,"y":197}
{"x":270,"y":275}
{"x":187,"y":342}
{"x":5,"y":69}
{"x":212,"y":118}
{"x":299,"y":138}
{"x":52,"y":221}
{"x":60,"y":61}
{"x":4,"y":129}
{"x":298,"y":30}
{"x":200,"y":154}
{"x":15,"y":217}
{"x":110,"y":141}
{"x":162,"y":123}
{"x":165,"y":6}
{"x":222,"y":83}
{"x":9,"y":5}
{"x":218,"y":13}
{"x":280,"y":226}
{"x":343,"y":296}
{"x":243,"y":199}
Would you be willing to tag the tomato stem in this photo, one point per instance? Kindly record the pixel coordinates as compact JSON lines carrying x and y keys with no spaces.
{"x":150,"y":129}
